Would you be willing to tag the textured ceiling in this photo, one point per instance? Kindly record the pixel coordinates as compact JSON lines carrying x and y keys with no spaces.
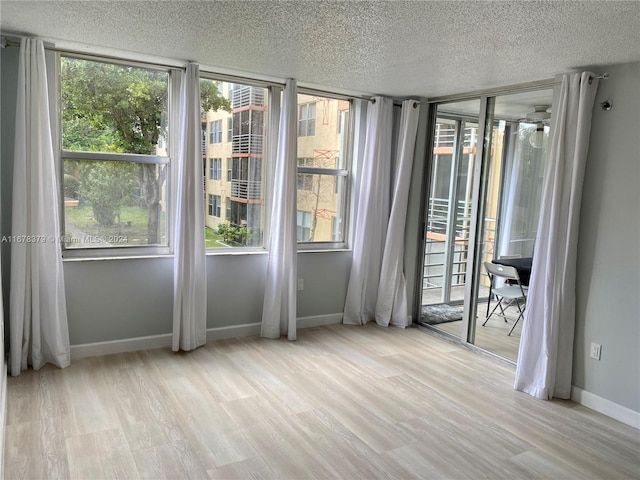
{"x":398,"y":48}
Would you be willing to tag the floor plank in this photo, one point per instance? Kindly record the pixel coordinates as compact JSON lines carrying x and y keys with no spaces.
{"x":342,"y":402}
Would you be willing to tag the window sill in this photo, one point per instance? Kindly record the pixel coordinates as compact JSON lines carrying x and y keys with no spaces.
{"x":114,"y":257}
{"x":209,"y":253}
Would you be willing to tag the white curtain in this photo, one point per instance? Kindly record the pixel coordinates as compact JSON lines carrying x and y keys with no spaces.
{"x":39,"y":332}
{"x":546,"y":345}
{"x":189,"y":269}
{"x":279,"y":308}
{"x":391,"y":305}
{"x":372,"y":215}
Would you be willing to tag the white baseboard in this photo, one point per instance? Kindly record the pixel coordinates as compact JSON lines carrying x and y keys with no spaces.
{"x":164,"y":340}
{"x":120,"y":346}
{"x":244,"y":330}
{"x":606,"y":407}
{"x":319,"y":320}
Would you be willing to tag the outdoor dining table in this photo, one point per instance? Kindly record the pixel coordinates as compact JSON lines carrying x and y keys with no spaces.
{"x":521,"y":264}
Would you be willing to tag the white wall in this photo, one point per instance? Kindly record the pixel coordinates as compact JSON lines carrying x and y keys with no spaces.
{"x":608,"y":273}
{"x":127,"y":298}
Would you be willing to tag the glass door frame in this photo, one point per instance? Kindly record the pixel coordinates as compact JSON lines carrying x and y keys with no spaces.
{"x":479,"y":186}
{"x":478,"y":195}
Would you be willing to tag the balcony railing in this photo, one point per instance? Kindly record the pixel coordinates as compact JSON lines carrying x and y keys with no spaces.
{"x":446,"y":134}
{"x":435,"y":255}
{"x":247,"y":143}
{"x":245,"y":96}
{"x":439,"y":213}
{"x":246,"y":189}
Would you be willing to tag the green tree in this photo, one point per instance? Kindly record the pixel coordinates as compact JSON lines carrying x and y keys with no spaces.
{"x":117,"y":108}
{"x":108,"y":188}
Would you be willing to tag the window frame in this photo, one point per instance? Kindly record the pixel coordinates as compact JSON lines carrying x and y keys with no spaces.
{"x":169,"y":187}
{"x":305,"y":215}
{"x":266,"y":178}
{"x":345,"y":173}
{"x":215,"y":134}
{"x":305,"y":121}
{"x":61,"y":154}
{"x":215,"y":169}
{"x":214,"y":205}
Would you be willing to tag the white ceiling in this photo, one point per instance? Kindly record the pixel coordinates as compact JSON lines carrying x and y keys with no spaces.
{"x":398,"y":48}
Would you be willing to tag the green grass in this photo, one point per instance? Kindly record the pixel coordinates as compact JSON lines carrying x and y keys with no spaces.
{"x":132,"y":229}
{"x":211,"y":237}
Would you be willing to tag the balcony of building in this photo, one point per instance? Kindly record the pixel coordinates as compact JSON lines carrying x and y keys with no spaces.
{"x":245,"y":96}
{"x":247,"y":143}
{"x":247,"y":190}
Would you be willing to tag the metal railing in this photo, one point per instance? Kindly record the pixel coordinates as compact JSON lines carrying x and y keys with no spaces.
{"x":439,"y":213}
{"x":247,"y":143}
{"x":445,"y":135}
{"x":245,"y":96}
{"x":246,"y":189}
{"x":435,"y":255}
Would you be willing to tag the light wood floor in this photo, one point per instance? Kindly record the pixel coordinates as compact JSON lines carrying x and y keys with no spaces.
{"x":493,"y":336}
{"x":342,"y":402}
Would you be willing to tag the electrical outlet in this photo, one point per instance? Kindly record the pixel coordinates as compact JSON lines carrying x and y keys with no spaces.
{"x":301,"y":284}
{"x":596,"y":350}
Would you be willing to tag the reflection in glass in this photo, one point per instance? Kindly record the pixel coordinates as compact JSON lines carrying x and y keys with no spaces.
{"x":449,"y":212}
{"x":513,"y":193}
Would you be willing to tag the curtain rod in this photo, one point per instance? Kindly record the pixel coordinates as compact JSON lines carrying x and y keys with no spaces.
{"x":396,"y":102}
{"x":540,"y":85}
{"x":11,"y":43}
{"x":518,"y":88}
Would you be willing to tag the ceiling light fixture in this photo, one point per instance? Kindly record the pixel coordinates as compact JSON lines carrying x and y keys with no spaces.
{"x":539,"y":116}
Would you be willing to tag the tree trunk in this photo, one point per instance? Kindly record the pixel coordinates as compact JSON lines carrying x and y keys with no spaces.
{"x":152,"y":188}
{"x":314,"y":221}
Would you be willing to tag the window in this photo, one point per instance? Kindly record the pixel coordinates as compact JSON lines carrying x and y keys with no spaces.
{"x":343,"y":119}
{"x":215,"y":169}
{"x":242,"y":112}
{"x":303,"y":223}
{"x":305,"y":180}
{"x":229,"y":129}
{"x":306,"y":119}
{"x":323,"y":171}
{"x":114,"y":154}
{"x":215,"y":131}
{"x":215,"y":207}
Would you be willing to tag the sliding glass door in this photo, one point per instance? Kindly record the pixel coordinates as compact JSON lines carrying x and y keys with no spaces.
{"x":449,"y":209}
{"x":484,"y":193}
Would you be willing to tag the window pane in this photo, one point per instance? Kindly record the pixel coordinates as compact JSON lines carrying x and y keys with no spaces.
{"x":238,"y":207}
{"x":113,"y":108}
{"x":322,"y":144}
{"x":109,"y":204}
{"x":303,"y":223}
{"x":324,"y":200}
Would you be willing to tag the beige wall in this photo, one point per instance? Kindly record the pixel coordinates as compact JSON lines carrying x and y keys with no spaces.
{"x":323,"y":148}
{"x":222,"y":151}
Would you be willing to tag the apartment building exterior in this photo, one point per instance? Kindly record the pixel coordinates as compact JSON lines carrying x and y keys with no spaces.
{"x":234,"y":166}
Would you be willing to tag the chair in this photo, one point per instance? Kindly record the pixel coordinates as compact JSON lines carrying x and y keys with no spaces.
{"x":512,"y":294}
